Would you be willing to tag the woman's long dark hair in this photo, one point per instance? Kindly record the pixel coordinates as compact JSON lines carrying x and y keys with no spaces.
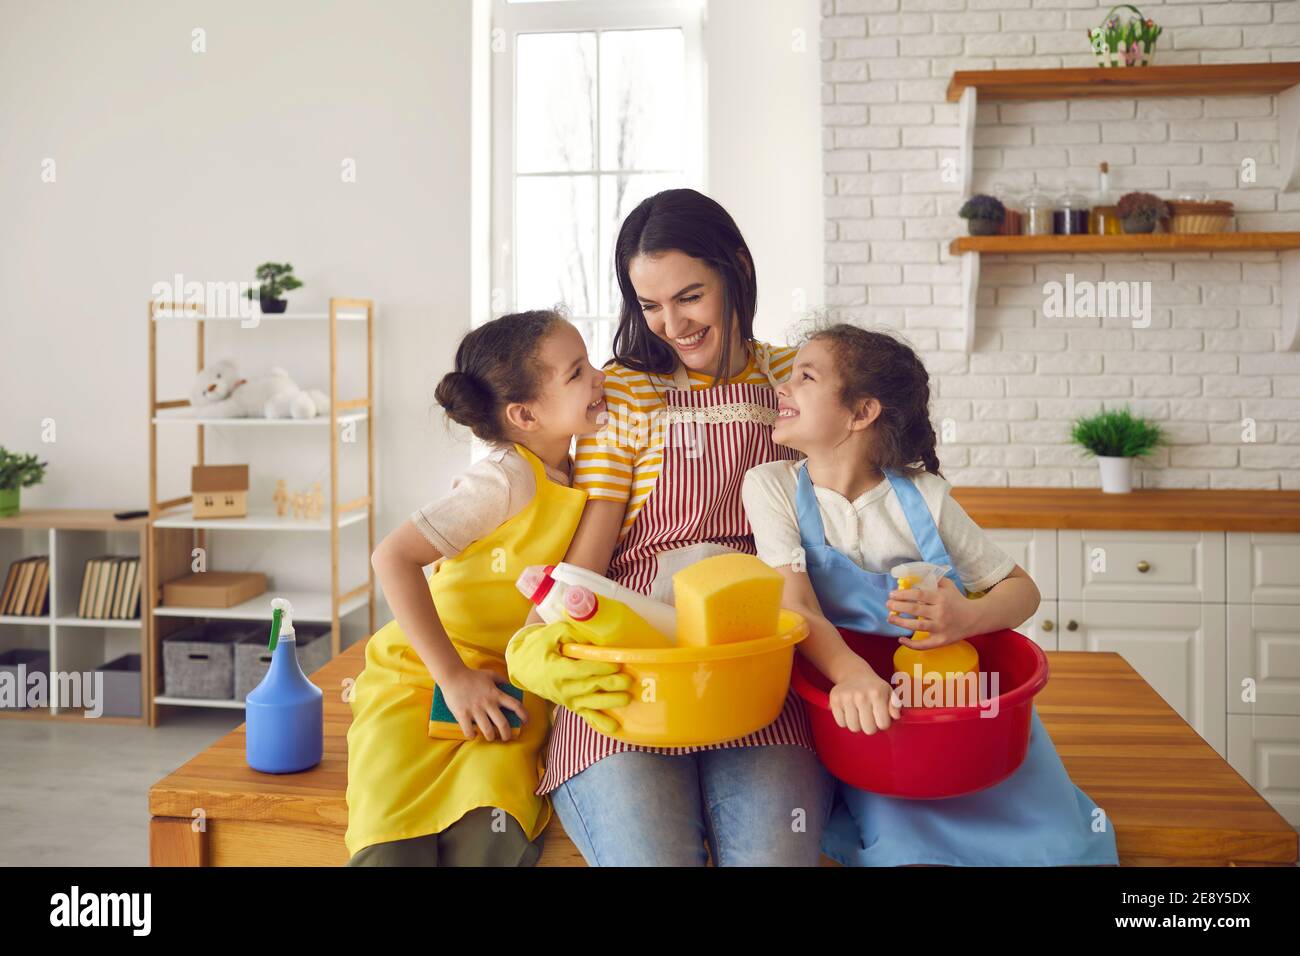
{"x":694,"y":224}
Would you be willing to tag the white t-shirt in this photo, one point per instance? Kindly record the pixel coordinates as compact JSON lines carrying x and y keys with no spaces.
{"x":871,"y":530}
{"x":483,"y":498}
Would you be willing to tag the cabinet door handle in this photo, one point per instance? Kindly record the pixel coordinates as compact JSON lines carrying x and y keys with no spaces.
{"x":1143,"y":567}
{"x":1048,"y":625}
{"x":1072,"y":626}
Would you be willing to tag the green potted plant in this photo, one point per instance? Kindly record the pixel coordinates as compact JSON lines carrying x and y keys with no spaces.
{"x":1139,"y":212}
{"x":1116,"y":438}
{"x":274,"y":279}
{"x":983,"y":214}
{"x":17,"y":471}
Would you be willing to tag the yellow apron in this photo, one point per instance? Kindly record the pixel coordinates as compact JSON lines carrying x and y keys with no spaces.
{"x":403,"y":783}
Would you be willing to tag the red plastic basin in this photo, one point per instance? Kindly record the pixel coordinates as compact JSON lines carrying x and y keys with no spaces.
{"x":931,"y":752}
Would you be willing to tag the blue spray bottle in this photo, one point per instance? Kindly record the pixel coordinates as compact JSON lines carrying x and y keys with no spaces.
{"x":285,"y":712}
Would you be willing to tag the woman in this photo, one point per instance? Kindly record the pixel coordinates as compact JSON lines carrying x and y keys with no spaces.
{"x":691,"y":402}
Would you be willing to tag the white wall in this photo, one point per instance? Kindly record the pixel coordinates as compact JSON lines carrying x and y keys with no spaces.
{"x":208,"y":164}
{"x":1205,"y":369}
{"x":764,"y":146}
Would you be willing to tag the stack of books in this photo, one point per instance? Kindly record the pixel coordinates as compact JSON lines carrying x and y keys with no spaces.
{"x":110,"y":588}
{"x":27,"y":588}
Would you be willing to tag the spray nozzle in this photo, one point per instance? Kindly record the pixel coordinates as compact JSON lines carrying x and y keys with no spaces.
{"x":535,"y":582}
{"x":281,"y":621}
{"x":918,"y":574}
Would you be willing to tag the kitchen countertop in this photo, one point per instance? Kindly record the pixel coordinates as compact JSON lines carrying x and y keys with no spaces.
{"x":1170,"y":797}
{"x":1150,"y":509}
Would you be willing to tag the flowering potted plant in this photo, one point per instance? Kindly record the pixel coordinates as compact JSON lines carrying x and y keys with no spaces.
{"x":1116,"y":438}
{"x":1139,"y":212}
{"x":17,"y":471}
{"x":1128,"y":43}
{"x":983,"y":214}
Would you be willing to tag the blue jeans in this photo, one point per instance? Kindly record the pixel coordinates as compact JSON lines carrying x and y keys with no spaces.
{"x":755,"y":806}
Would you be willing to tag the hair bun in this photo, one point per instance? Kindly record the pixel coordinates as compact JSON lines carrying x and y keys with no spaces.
{"x":465,"y":398}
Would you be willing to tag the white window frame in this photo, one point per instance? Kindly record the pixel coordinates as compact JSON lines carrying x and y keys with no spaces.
{"x":565,"y":16}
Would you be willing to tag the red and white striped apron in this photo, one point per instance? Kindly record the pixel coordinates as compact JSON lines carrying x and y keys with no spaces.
{"x":711,"y":438}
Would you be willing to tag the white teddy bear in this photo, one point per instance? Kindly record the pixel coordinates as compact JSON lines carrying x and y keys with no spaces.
{"x":219,"y":392}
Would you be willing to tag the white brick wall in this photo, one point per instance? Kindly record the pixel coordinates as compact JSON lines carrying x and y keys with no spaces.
{"x":1206,"y":369}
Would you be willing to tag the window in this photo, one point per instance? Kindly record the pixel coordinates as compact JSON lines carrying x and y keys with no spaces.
{"x":596,"y":105}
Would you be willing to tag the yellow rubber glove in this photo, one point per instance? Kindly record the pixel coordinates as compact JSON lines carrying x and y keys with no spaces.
{"x":588,"y":688}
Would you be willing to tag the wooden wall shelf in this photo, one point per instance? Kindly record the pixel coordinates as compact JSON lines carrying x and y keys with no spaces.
{"x":967,"y":87}
{"x":1154,"y":242}
{"x":1194,"y":79}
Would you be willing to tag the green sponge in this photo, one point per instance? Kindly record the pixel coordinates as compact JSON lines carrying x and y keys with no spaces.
{"x":442,"y":722}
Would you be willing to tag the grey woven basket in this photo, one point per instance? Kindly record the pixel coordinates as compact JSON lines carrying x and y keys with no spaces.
{"x":253,"y":660}
{"x":199,"y":661}
{"x":32,"y":660}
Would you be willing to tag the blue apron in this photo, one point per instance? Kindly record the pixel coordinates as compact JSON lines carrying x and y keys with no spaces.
{"x":1036,"y":817}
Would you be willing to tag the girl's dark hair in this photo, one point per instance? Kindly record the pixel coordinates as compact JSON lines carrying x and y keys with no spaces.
{"x":496,"y":365}
{"x":873,"y":364}
{"x":692,"y":223}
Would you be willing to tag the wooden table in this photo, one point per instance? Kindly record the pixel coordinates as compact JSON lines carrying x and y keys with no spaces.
{"x":1171,"y":798}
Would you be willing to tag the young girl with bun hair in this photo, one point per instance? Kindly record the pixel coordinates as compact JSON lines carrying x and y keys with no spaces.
{"x":523,"y":384}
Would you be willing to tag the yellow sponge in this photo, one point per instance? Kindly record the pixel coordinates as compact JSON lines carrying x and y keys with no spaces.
{"x":731,"y":597}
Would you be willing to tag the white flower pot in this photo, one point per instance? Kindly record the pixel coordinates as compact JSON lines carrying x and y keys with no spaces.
{"x":1116,"y":474}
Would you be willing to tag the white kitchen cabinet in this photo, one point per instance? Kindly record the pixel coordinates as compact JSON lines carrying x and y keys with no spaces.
{"x":1195,"y":613}
{"x":1157,"y":566}
{"x":1264,"y":750}
{"x":1263,"y":568}
{"x":1042,"y":627}
{"x":1264,"y":646}
{"x":1179,"y":649}
{"x":1035,"y":551}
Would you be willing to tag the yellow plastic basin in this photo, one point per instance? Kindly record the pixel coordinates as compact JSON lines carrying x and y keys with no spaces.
{"x":690,"y":696}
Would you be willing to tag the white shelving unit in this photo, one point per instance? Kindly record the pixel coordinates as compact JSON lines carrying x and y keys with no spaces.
{"x":75,"y":644}
{"x":174,"y":531}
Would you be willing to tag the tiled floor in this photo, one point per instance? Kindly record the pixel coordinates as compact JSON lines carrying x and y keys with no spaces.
{"x":76,"y":794}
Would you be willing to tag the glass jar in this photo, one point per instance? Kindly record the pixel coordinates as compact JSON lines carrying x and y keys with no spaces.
{"x":1104,"y":221}
{"x":1192,"y":191}
{"x":1011,"y":203}
{"x":1037,"y":219}
{"x":1070,"y":217}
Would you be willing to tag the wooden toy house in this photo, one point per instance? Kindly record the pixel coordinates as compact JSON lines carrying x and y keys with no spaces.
{"x":220,"y":491}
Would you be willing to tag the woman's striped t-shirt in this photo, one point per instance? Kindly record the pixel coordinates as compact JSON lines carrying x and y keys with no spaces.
{"x":622,"y":461}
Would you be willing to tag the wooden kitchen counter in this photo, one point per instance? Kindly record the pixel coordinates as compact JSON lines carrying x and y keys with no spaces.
{"x":1150,"y":509}
{"x":1171,"y":798}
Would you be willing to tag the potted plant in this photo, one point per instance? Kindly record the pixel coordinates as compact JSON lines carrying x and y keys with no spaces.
{"x":1116,"y":438}
{"x":1128,"y":43}
{"x":1139,"y":212}
{"x":274,"y":279}
{"x":17,"y":471}
{"x":983,"y":214}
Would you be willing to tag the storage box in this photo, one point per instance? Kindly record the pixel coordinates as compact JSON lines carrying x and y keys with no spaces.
{"x":121,"y":692}
{"x":213,"y":589}
{"x":220,"y":491}
{"x":30,"y":660}
{"x":252,"y":659}
{"x":199,"y":661}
